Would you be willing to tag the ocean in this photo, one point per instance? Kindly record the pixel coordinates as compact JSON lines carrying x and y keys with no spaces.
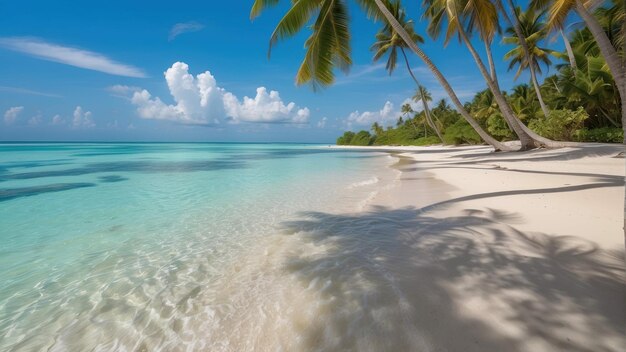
{"x":167,"y":246}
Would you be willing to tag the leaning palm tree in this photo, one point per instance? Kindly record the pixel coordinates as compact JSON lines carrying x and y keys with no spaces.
{"x":423,"y":95}
{"x":461,"y":17}
{"x":614,"y":55}
{"x":388,"y":42}
{"x":533,"y":31}
{"x":328,"y":46}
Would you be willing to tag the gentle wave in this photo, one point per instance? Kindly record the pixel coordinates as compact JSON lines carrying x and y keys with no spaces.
{"x":371,"y":181}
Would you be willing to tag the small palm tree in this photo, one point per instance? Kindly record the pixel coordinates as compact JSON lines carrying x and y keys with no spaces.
{"x":377,"y":129}
{"x":423,"y":95}
{"x":534,"y":31}
{"x":524,"y":102}
{"x":406,"y":109}
{"x":388,"y":42}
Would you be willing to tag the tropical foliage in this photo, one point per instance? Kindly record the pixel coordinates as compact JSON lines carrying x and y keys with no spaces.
{"x":582,"y":101}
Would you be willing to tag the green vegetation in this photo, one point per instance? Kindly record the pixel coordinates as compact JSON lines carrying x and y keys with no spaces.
{"x":350,"y":138}
{"x":580,"y":103}
{"x":584,"y":101}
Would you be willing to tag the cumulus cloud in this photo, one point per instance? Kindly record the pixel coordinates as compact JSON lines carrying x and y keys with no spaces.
{"x":385,"y":116}
{"x":264,"y":107}
{"x":184,"y":27}
{"x":322,"y":123}
{"x":57,"y":120}
{"x":69,"y":56}
{"x":199,"y":100}
{"x":82,"y":119}
{"x":11,"y":115}
{"x":35,"y":120}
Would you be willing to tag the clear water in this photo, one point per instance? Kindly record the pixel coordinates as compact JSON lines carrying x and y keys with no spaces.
{"x":162,"y":246}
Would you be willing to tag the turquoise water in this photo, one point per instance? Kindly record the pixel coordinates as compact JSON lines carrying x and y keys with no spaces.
{"x":159,"y":246}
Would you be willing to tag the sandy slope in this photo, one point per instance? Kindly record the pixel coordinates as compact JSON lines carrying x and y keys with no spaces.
{"x":506,"y":251}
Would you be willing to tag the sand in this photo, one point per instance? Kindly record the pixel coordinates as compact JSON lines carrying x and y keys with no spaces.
{"x":507,"y":251}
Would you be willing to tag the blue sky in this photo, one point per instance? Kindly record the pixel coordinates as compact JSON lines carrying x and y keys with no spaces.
{"x":123,"y":48}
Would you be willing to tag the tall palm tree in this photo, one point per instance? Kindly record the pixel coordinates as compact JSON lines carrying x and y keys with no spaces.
{"x":388,"y":42}
{"x":328,"y":45}
{"x":462,"y":17}
{"x":558,"y":12}
{"x":533,"y":32}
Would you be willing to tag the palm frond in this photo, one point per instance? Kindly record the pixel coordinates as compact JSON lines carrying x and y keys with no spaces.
{"x":260,"y":5}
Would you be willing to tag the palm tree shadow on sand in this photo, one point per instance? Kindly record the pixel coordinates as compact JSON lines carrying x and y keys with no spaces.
{"x":404,"y":280}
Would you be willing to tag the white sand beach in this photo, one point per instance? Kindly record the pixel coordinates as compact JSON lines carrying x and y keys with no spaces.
{"x":503,"y":251}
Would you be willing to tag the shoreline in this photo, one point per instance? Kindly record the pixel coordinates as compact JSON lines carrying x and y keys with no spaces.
{"x":586,"y":171}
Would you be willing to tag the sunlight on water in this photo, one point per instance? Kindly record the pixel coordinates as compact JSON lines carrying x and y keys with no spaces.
{"x":166,"y":246}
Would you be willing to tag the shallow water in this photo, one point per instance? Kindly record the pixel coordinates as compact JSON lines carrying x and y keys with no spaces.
{"x":167,"y":246}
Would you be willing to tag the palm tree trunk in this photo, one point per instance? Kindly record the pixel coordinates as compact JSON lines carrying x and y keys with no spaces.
{"x":492,"y":66}
{"x":522,"y":39}
{"x":609,"y":53}
{"x":442,"y":80}
{"x":429,"y":121}
{"x":608,"y":117}
{"x":526,"y":141}
{"x":568,"y":48}
{"x":533,"y":76}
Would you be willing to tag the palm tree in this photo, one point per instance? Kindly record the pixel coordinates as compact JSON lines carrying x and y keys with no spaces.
{"x":377,"y":129}
{"x":592,"y":87}
{"x":406,"y":109}
{"x":423,"y":95}
{"x":328,"y":45}
{"x":558,"y":12}
{"x":524,"y":102}
{"x":461,"y":17}
{"x":533,"y":31}
{"x":388,"y":42}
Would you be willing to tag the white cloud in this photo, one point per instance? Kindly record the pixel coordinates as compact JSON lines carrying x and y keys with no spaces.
{"x":322,"y":123}
{"x":185,"y":27}
{"x":69,"y":56}
{"x":199,"y":100}
{"x":122,"y":90}
{"x":35,"y":120}
{"x":82,"y":119}
{"x":265,"y":107}
{"x":57,"y":120}
{"x":11,"y":115}
{"x":27,"y":91}
{"x":385,"y":116}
